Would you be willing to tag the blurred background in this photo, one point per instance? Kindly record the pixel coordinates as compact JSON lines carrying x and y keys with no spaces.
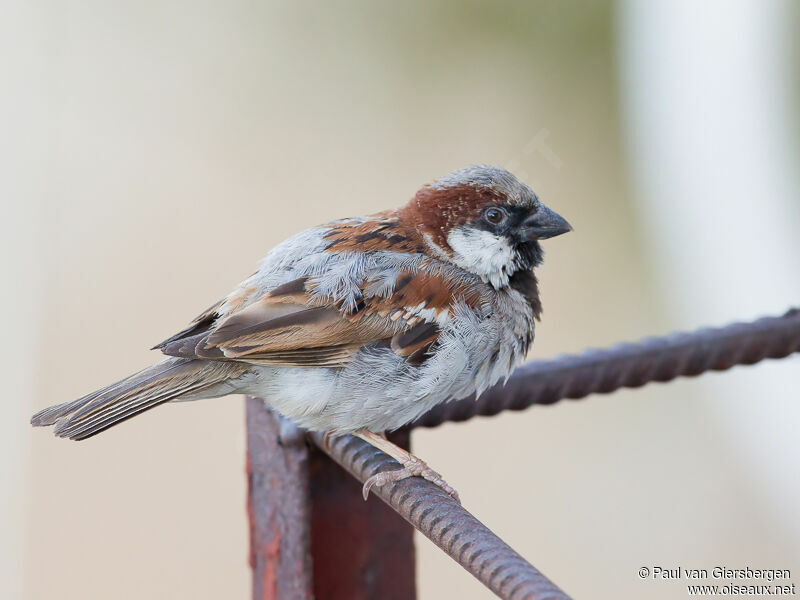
{"x":152,"y":152}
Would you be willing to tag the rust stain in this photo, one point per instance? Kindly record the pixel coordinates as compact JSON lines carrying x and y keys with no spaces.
{"x":272,"y":552}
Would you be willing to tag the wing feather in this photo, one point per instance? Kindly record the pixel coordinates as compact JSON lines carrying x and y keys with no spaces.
{"x":292,"y":326}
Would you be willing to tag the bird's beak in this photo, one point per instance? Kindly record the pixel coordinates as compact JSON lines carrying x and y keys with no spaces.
{"x":544,"y":224}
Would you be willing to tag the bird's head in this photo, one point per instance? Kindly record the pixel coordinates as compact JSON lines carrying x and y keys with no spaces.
{"x":484,"y":220}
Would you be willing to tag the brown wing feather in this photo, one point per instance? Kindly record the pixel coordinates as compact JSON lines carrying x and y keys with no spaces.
{"x":415,"y":338}
{"x":288,"y":326}
{"x":200,"y":324}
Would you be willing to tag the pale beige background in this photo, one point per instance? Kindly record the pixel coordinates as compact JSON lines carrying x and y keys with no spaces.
{"x":153,"y":152}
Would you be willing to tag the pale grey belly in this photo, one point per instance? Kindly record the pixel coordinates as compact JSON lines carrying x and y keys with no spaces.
{"x":378,"y":391}
{"x":345,"y":400}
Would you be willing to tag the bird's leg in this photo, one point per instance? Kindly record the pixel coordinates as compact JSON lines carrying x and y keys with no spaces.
{"x":411,"y":465}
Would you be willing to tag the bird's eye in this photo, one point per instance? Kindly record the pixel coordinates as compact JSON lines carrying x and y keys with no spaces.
{"x":494,"y":215}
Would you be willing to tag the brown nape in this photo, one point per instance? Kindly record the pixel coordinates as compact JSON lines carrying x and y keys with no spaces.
{"x":436,"y":211}
{"x":384,"y":232}
{"x":430,"y":213}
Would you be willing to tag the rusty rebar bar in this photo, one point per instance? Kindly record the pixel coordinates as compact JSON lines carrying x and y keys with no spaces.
{"x":446,"y":523}
{"x":360,"y":550}
{"x":629,"y":365}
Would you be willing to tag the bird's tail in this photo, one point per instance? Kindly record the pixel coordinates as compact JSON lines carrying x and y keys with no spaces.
{"x":171,"y":379}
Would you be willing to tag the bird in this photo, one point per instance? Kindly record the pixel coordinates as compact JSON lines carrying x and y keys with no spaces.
{"x":361,"y":325}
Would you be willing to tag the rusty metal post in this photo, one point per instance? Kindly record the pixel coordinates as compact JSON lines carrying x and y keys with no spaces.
{"x":278,"y":507}
{"x":361,"y":550}
{"x":311,"y":533}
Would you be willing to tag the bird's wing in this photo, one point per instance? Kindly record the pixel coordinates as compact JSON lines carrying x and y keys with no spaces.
{"x":292,"y":326}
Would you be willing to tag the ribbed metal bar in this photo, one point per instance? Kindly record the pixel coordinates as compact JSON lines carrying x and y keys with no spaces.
{"x":629,"y":365}
{"x":446,"y":523}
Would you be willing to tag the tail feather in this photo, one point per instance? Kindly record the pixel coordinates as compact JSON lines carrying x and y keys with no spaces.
{"x":81,"y":427}
{"x":168,"y":380}
{"x":50,"y":415}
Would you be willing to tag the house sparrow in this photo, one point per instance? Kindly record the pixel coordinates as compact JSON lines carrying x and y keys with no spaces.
{"x":361,"y":325}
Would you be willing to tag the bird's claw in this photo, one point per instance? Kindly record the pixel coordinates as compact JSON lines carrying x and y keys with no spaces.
{"x":326,"y":440}
{"x":411,"y":467}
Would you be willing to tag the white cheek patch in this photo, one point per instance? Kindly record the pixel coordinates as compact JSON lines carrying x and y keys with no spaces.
{"x":488,"y":256}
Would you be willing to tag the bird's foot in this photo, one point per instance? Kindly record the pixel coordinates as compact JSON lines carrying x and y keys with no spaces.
{"x":411,"y":467}
{"x":326,"y":440}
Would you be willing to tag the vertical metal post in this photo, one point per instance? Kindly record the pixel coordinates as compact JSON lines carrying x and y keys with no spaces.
{"x":278,"y":507}
{"x":302,"y":504}
{"x":362,"y":550}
